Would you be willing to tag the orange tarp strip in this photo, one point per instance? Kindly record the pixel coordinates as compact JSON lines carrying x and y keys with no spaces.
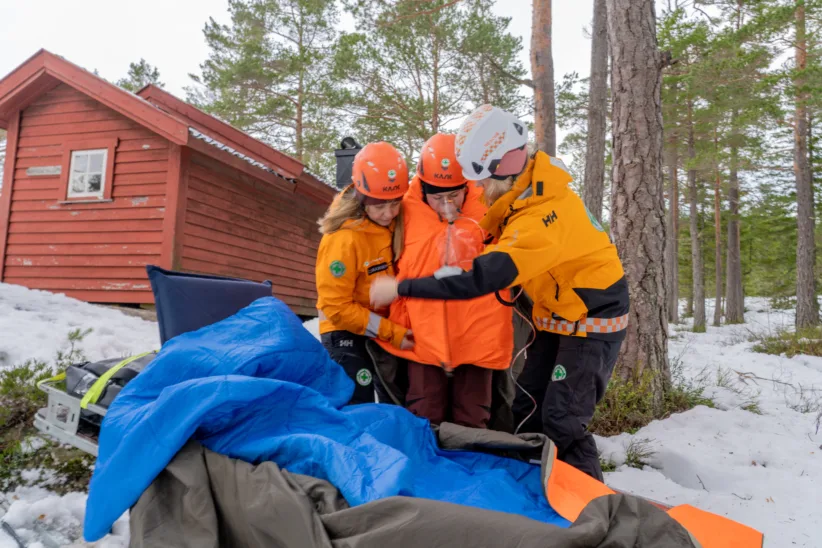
{"x":569,"y":491}
{"x":713,"y":531}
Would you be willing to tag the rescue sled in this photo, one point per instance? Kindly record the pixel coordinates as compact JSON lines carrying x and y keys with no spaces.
{"x":79,"y":398}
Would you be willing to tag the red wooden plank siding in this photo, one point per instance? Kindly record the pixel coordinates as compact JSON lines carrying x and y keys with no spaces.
{"x":175,"y":196}
{"x":239,"y":226}
{"x":92,"y":251}
{"x":8,"y":186}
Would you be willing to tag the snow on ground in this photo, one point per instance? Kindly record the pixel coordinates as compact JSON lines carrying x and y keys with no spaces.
{"x":36,"y":324}
{"x":313,"y":327}
{"x":761,"y":470}
{"x":35,"y":512}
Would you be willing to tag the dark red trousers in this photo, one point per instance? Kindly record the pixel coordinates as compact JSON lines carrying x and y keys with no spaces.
{"x":464,"y":398}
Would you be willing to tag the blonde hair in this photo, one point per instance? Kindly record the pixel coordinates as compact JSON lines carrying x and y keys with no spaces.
{"x":494,"y":189}
{"x":344,"y":207}
{"x":398,"y":240}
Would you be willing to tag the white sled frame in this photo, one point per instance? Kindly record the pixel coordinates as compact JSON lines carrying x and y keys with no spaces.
{"x":61,"y":418}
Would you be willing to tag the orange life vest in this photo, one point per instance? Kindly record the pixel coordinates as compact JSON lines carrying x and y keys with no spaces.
{"x":449,"y":333}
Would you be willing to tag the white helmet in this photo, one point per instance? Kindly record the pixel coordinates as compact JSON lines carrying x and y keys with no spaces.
{"x":485,"y":137}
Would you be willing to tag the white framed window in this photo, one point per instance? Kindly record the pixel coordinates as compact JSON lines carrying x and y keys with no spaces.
{"x":87,"y":174}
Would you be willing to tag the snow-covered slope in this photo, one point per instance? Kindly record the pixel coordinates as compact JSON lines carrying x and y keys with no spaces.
{"x":762,"y":470}
{"x":35,"y":324}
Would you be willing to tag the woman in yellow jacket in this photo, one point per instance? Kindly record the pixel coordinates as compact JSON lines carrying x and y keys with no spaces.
{"x":549,"y":244}
{"x":356,"y":249}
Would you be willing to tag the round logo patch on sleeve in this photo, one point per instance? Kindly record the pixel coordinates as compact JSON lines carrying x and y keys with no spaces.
{"x":337,"y":269}
{"x":364,"y":377}
{"x":559,"y":373}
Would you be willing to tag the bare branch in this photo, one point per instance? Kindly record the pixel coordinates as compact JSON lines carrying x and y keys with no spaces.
{"x":498,"y":67}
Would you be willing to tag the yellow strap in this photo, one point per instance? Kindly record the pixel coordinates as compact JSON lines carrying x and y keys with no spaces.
{"x":99,"y":385}
{"x":58,"y":377}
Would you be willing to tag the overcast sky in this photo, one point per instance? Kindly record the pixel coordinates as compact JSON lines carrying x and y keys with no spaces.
{"x":107,"y":35}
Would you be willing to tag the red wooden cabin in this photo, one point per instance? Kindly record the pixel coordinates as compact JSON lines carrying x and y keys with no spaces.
{"x":99,"y":182}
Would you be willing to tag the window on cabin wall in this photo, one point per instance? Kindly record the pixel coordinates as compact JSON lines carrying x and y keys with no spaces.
{"x":87,"y":173}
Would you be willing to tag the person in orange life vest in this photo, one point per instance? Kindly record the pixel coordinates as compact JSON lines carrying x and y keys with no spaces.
{"x":549,"y":244}
{"x":354,"y":250}
{"x":449,"y":374}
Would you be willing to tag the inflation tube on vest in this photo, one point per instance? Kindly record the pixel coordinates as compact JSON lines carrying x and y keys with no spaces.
{"x":345,"y":160}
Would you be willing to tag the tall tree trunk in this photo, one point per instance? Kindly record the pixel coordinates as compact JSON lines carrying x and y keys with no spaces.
{"x":806,"y":310}
{"x":689,"y":304}
{"x":594,"y":186}
{"x":735,"y":298}
{"x":718,"y":249}
{"x":638,"y":203}
{"x":812,"y":170}
{"x":734,"y":293}
{"x":717,"y":235}
{"x":542,"y":70}
{"x":673,"y":232}
{"x":698,"y":290}
{"x":435,"y":111}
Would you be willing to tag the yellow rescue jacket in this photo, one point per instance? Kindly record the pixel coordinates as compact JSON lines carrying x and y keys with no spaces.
{"x":348,"y":260}
{"x":548,"y":243}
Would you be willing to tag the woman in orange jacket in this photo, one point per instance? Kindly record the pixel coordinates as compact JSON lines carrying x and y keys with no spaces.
{"x":449,"y":374}
{"x":355,"y":249}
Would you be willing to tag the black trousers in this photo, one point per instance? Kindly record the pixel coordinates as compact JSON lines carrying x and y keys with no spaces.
{"x":348,"y":350}
{"x":567,"y":377}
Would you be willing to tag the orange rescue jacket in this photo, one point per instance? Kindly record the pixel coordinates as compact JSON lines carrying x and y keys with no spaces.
{"x":348,"y":260}
{"x":449,"y":333}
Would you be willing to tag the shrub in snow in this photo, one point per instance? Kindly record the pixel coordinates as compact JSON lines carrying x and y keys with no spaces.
{"x":629,"y":405}
{"x":20,"y":448}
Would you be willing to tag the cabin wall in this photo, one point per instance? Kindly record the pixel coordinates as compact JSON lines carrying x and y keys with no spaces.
{"x":240,"y":226}
{"x":96,"y":252}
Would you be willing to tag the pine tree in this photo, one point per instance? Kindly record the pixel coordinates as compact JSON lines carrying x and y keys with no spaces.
{"x":685,"y":39}
{"x":638,"y":209}
{"x":268,"y":74}
{"x":717,"y":237}
{"x":744,"y":101}
{"x":677,"y":35}
{"x":698,"y":290}
{"x":572,"y":103}
{"x":542,"y":69}
{"x":489,"y":60}
{"x":140,"y":74}
{"x":414,"y":69}
{"x":594,"y":182}
{"x":807,"y":313}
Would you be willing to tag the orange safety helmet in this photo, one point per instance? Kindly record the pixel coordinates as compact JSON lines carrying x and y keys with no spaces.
{"x":380,"y":172}
{"x":438,"y":165}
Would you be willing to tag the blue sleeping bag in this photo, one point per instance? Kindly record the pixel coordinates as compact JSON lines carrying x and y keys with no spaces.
{"x":258,"y":386}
